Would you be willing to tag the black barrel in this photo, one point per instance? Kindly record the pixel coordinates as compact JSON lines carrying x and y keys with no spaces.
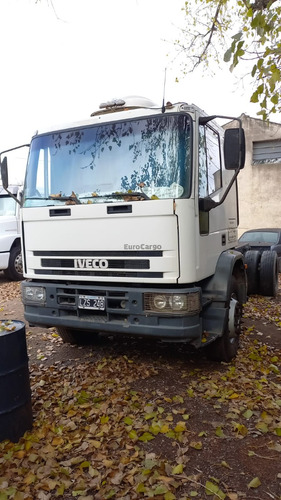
{"x":15,"y":393}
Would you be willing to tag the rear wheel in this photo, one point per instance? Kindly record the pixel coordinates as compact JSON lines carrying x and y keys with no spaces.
{"x":76,"y":337}
{"x":14,"y":271}
{"x":252,"y":261}
{"x":225,"y":347}
{"x":269,"y":274}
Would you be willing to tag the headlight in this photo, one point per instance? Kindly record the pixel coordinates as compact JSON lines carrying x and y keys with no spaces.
{"x":169,"y":303}
{"x":34,"y":295}
{"x":178,"y":302}
{"x":159,"y":301}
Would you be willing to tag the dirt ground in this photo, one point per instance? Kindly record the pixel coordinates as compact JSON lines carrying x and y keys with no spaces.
{"x":225,"y":441}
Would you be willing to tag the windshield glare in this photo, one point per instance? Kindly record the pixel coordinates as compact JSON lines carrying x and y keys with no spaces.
{"x":100,"y":163}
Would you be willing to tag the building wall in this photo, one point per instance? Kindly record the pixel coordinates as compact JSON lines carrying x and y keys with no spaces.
{"x":259,"y":184}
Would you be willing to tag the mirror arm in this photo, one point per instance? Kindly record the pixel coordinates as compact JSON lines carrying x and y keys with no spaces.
{"x":4,"y":171}
{"x":13,"y":149}
{"x":13,"y":196}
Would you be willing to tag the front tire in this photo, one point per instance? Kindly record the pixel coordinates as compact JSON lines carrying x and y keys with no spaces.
{"x":225,"y":348}
{"x":14,"y":271}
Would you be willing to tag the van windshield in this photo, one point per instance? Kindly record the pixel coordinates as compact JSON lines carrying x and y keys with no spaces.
{"x":145,"y":158}
{"x":7,"y":206}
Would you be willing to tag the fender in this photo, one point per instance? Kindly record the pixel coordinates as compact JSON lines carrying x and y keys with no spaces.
{"x":230,"y":262}
{"x":216,"y":291}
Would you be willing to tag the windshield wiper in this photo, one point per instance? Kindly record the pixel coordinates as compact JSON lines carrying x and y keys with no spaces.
{"x":57,"y":197}
{"x":128,"y":196}
{"x":72,"y":199}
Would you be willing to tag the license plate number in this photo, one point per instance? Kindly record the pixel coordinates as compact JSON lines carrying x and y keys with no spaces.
{"x":94,"y":302}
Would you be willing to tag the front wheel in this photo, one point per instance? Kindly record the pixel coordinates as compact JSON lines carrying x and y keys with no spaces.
{"x":226,"y":347}
{"x":14,"y":271}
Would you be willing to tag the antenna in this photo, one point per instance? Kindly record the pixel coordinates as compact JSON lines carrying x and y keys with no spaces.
{"x":164,"y":89}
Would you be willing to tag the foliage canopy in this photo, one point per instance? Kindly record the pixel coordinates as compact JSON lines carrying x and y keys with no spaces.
{"x":237,"y":31}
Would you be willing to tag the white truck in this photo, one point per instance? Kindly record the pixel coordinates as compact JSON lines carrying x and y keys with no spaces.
{"x":129,"y":226}
{"x":10,"y":240}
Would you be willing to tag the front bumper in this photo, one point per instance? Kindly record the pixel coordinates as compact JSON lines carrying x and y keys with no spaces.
{"x":124,"y":313}
{"x":4,"y":260}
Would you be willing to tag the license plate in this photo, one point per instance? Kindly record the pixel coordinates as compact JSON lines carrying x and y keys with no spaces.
{"x":94,"y":302}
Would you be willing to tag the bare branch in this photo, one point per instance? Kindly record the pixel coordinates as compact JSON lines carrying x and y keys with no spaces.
{"x":210,"y":33}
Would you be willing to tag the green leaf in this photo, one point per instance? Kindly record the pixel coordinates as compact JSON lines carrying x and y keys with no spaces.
{"x":254,"y":98}
{"x":197,"y":445}
{"x":160,"y":490}
{"x":248,"y":414}
{"x":227,"y":55}
{"x":146,"y":436}
{"x":219,"y":432}
{"x":226,"y":465}
{"x":214,"y":489}
{"x":275,"y":100}
{"x":133,"y":435}
{"x":84,"y":465}
{"x":149,"y":416}
{"x":127,"y":421}
{"x":255,"y":483}
{"x":149,"y":463}
{"x":254,"y":69}
{"x":261,"y":426}
{"x":238,"y":36}
{"x":169,"y":496}
{"x":141,"y":488}
{"x":110,"y":494}
{"x":178,"y":469}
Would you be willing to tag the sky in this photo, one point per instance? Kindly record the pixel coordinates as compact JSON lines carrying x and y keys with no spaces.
{"x":61,"y":58}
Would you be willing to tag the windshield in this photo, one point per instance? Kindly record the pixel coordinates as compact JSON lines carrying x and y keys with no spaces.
{"x":7,"y":206}
{"x":260,"y":237}
{"x":139,"y":159}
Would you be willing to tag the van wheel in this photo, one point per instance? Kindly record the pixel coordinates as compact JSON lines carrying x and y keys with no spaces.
{"x":76,"y":337}
{"x":252,"y":261}
{"x":226,"y":347}
{"x":269,"y":274}
{"x":14,"y":271}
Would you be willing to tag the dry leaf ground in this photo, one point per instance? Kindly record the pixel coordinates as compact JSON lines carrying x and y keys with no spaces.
{"x":131,"y":419}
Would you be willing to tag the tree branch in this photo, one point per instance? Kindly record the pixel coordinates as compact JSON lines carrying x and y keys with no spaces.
{"x":211,"y":31}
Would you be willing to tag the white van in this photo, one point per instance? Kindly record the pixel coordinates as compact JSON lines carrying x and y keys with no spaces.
{"x":10,"y":242}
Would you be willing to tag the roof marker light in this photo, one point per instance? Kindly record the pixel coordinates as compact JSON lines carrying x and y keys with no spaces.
{"x":115,"y":103}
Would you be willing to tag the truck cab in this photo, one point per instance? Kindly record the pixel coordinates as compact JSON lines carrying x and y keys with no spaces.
{"x":129,"y":223}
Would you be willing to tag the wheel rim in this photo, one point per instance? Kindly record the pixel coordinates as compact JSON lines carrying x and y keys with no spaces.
{"x":234,"y":319}
{"x":18,"y":263}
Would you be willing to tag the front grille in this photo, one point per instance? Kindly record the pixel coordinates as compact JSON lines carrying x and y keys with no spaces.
{"x":107,"y":264}
{"x":116,"y":303}
{"x":95,"y":253}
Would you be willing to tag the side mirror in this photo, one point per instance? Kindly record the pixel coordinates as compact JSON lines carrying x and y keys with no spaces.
{"x":4,"y":173}
{"x":234,"y":148}
{"x":5,"y":180}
